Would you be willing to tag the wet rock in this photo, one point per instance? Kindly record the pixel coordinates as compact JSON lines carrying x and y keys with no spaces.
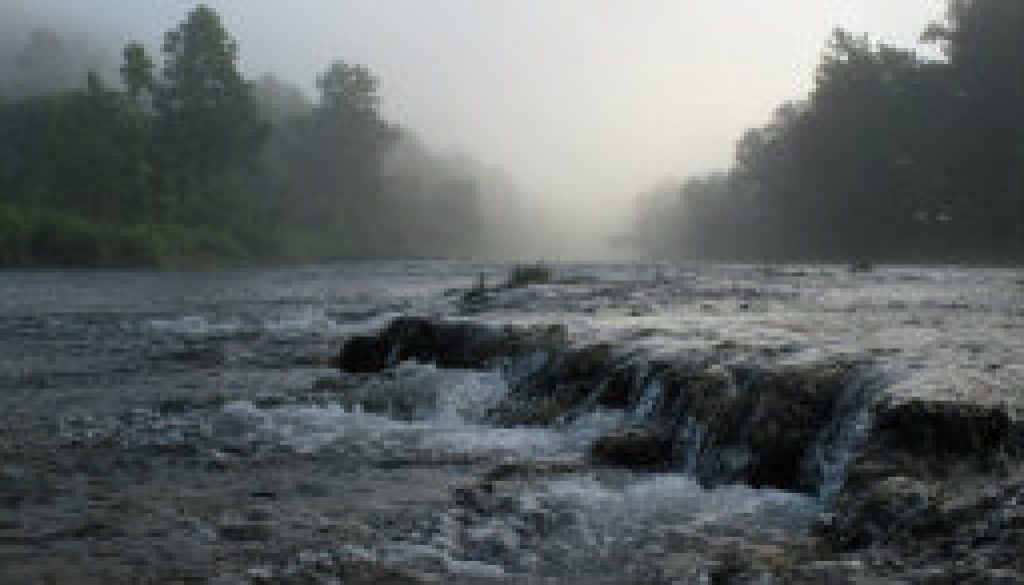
{"x":890,"y":510}
{"x":752,"y":425}
{"x":939,"y":516}
{"x":620,"y":387}
{"x":635,"y":448}
{"x":759,"y":425}
{"x":788,"y":427}
{"x":447,"y":344}
{"x":933,"y":475}
{"x":942,"y":429}
{"x":551,"y":389}
{"x":365,"y":353}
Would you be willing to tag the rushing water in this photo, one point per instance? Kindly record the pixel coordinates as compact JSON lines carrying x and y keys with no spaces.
{"x":235,"y":362}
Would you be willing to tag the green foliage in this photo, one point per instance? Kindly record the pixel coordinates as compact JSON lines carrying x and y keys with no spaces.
{"x":207,"y":122}
{"x":15,"y":231}
{"x":67,"y":240}
{"x":137,"y":70}
{"x":44,"y":237}
{"x":98,"y":161}
{"x":348,"y":91}
{"x":279,"y":101}
{"x":190,"y":163}
{"x":891,"y":157}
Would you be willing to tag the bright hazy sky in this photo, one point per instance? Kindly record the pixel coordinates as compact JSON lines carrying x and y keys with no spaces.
{"x":583,"y":102}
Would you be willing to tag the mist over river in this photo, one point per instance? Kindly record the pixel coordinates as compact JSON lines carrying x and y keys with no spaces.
{"x":429,"y":422}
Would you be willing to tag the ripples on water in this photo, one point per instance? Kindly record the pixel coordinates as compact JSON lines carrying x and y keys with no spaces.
{"x":103,"y":341}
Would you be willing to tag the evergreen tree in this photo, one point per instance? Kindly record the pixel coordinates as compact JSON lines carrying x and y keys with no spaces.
{"x":136,"y":70}
{"x":206,"y":121}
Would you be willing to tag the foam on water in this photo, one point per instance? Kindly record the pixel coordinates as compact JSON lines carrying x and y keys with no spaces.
{"x":290,"y":323}
{"x":420,"y":409}
{"x":470,"y":397}
{"x":302,"y":428}
{"x":306,"y":429}
{"x":406,"y":555}
{"x":617,"y":527}
{"x":196,"y":325}
{"x":316,"y":319}
{"x":676,"y":499}
{"x":304,"y":320}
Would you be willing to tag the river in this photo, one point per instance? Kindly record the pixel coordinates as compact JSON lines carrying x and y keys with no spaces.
{"x":194,"y":425}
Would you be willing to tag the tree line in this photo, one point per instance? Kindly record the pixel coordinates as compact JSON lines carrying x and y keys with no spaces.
{"x":893,"y":156}
{"x":184,"y":160}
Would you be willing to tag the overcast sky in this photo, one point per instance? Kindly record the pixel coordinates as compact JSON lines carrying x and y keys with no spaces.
{"x":584,"y":102}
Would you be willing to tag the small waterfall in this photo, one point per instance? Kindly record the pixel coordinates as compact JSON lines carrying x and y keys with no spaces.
{"x":518,"y":370}
{"x":829,"y":457}
{"x":589,"y":404}
{"x":653,"y":392}
{"x":468,"y":398}
{"x":789,"y":426}
{"x":691,"y":435}
{"x":396,"y":350}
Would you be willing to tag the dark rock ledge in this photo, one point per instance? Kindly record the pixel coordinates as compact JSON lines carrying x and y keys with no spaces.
{"x":926,"y":490}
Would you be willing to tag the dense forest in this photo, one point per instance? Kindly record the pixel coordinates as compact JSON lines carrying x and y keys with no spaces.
{"x":893,"y":156}
{"x":179,"y":159}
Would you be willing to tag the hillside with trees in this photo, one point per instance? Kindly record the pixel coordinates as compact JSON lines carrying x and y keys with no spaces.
{"x":183,"y":161}
{"x":893,"y":156}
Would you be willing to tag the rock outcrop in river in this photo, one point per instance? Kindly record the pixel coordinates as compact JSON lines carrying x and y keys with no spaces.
{"x":895,"y":476}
